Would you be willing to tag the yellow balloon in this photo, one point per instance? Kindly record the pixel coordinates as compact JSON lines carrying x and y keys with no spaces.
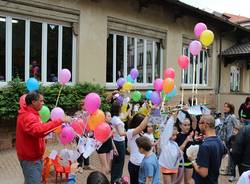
{"x":207,"y":37}
{"x":127,"y":86}
{"x":124,"y":108}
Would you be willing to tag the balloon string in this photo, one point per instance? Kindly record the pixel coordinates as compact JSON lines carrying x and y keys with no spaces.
{"x":182,"y":91}
{"x":57,"y":100}
{"x":194,"y":63}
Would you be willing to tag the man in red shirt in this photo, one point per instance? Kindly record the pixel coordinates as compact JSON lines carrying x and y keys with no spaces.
{"x":30,"y":133}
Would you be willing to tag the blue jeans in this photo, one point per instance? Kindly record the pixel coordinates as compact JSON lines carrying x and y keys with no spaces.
{"x":118,"y":161}
{"x":32,"y":171}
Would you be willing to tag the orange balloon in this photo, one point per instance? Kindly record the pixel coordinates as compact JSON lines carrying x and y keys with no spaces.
{"x":58,"y":130}
{"x":95,"y":119}
{"x":168,"y":85}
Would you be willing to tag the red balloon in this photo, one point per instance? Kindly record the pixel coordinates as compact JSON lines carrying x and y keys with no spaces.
{"x":183,"y":62}
{"x":169,"y":73}
{"x":102,"y":132}
{"x":22,"y":102}
{"x":78,"y":126}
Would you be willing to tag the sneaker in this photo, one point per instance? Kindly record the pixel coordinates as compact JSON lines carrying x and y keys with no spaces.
{"x":80,"y":170}
{"x":231,"y":178}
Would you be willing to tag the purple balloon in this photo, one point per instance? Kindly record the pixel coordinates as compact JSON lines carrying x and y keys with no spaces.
{"x":158,"y":84}
{"x":57,"y":114}
{"x":155,"y":98}
{"x":119,"y":100}
{"x":64,"y":76}
{"x":195,"y":47}
{"x":134,"y":73}
{"x":92,"y":102}
{"x":120,"y":82}
{"x":199,"y":28}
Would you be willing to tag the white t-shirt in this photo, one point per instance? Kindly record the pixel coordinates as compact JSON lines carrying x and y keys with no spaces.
{"x":150,"y":136}
{"x":135,"y":156}
{"x":244,"y":178}
{"x":116,"y":121}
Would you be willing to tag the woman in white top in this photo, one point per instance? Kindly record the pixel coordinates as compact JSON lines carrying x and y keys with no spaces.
{"x":137,"y":124}
{"x":119,"y":141}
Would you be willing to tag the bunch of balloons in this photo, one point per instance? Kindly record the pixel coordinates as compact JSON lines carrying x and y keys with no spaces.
{"x":163,"y":89}
{"x":96,"y":121}
{"x":127,"y":84}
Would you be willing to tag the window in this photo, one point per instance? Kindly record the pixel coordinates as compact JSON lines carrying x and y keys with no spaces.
{"x":35,"y":49}
{"x":201,"y":68}
{"x":126,"y":52}
{"x":235,"y":79}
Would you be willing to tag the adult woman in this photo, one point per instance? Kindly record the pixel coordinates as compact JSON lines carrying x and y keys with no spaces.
{"x":244,"y":112}
{"x":119,"y":141}
{"x":137,"y":124}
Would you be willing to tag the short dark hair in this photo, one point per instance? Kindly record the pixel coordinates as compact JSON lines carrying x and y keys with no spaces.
{"x":96,"y":177}
{"x":32,"y":96}
{"x":231,"y":107}
{"x":144,"y":143}
{"x":136,"y":120}
{"x":115,"y":109}
{"x":247,"y":100}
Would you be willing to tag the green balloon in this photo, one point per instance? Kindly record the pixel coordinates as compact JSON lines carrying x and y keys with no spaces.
{"x":167,"y":99}
{"x":136,"y":96}
{"x":44,"y":114}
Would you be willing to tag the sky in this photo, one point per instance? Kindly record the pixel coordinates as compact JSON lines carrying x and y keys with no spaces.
{"x":237,"y":7}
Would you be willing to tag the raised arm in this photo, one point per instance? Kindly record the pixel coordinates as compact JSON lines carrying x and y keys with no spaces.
{"x":168,"y":130}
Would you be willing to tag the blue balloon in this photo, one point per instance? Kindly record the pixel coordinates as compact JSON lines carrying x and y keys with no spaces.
{"x":148,"y":94}
{"x":172,"y":93}
{"x":32,"y":84}
{"x":130,"y":79}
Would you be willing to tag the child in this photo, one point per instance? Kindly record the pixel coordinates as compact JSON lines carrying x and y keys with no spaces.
{"x":149,"y":169}
{"x":184,"y":139}
{"x":170,"y":152}
{"x":149,"y":134}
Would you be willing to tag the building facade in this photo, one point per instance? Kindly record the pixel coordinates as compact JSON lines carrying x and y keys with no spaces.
{"x":101,"y":40}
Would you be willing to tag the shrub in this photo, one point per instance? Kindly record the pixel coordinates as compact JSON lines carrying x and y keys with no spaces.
{"x":69,"y":99}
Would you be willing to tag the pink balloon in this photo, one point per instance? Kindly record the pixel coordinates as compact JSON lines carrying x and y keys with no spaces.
{"x":22,"y":102}
{"x":183,"y":62}
{"x":169,"y":73}
{"x":102,"y":132}
{"x":78,"y":126}
{"x":64,"y":76}
{"x":57,"y":114}
{"x":195,"y":47}
{"x":67,"y":135}
{"x":199,"y":28}
{"x":158,"y":84}
{"x":92,"y":102}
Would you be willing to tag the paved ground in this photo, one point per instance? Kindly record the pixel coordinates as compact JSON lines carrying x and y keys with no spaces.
{"x":10,"y":171}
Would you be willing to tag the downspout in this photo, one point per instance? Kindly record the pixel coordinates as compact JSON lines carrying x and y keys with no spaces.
{"x":219,"y":82}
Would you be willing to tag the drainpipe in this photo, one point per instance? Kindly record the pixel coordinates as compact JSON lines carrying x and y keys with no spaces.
{"x":219,"y":78}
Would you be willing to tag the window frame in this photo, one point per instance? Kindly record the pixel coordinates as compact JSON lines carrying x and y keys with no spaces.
{"x":235,"y":75}
{"x":189,"y":84}
{"x":44,"y":22}
{"x":144,"y":84}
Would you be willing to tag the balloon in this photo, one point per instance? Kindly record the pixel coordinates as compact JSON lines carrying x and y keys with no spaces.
{"x":58,"y":130}
{"x":44,"y":114}
{"x":22,"y":102}
{"x":32,"y":84}
{"x":168,"y":85}
{"x":148,"y":94}
{"x":95,"y":119}
{"x":119,"y":99}
{"x":127,"y":86}
{"x":207,"y":37}
{"x":134,"y":73}
{"x":172,"y":93}
{"x":67,"y":135}
{"x":57,"y":114}
{"x":195,"y":47}
{"x":155,"y":98}
{"x":102,"y":132}
{"x":92,"y":102}
{"x":167,"y":99}
{"x":136,"y":96}
{"x":183,"y":62}
{"x":130,"y":79}
{"x":169,"y":73}
{"x":78,"y":126}
{"x":199,"y":28}
{"x":158,"y":84}
{"x":120,"y":82}
{"x":64,"y":76}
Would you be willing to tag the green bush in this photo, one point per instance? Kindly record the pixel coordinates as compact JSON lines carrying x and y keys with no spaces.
{"x":69,"y":100}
